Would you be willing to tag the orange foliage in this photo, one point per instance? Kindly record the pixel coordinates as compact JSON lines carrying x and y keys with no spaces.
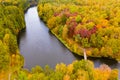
{"x":66,"y":77}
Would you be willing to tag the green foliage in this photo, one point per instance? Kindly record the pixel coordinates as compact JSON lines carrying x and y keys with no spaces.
{"x":78,"y":19}
{"x":83,"y":65}
{"x":4,"y":57}
{"x":37,"y":69}
{"x":85,"y":42}
{"x":22,"y":75}
{"x":73,"y":8}
{"x":1,"y":33}
{"x":40,"y":76}
{"x":95,"y":52}
{"x":78,"y":70}
{"x":10,"y":41}
{"x":90,"y":25}
{"x":60,"y":30}
{"x":11,"y":22}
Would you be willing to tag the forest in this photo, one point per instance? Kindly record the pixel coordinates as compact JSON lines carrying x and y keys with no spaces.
{"x":70,"y":22}
{"x":11,"y":23}
{"x":85,"y":24}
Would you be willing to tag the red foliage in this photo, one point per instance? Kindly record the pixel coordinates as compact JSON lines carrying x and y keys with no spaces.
{"x":93,"y":30}
{"x":56,"y":14}
{"x":65,"y":12}
{"x":88,"y":21}
{"x":84,"y":33}
{"x":72,"y":24}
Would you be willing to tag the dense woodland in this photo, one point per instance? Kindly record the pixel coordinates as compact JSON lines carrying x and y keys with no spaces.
{"x":69,"y":21}
{"x":93,"y":25}
{"x":11,"y":23}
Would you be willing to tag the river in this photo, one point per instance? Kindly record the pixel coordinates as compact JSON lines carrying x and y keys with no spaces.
{"x":40,"y":47}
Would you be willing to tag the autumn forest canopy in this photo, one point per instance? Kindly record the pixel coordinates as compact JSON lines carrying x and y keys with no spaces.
{"x":93,"y":25}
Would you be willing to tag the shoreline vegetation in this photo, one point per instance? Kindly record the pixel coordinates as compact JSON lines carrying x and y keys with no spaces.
{"x":96,"y":32}
{"x":11,"y":61}
{"x":79,"y":25}
{"x":11,"y":23}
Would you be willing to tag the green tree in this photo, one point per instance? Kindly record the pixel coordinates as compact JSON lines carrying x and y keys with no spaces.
{"x":22,"y":76}
{"x":4,"y":57}
{"x":37,"y":69}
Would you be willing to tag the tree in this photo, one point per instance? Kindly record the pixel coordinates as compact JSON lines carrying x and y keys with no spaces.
{"x":93,"y":40}
{"x":61,"y":68}
{"x":78,"y":19}
{"x":85,"y":42}
{"x":65,"y":32}
{"x":22,"y":76}
{"x":66,"y":77}
{"x":37,"y":69}
{"x":4,"y":57}
{"x":95,"y":52}
{"x":10,"y":41}
{"x":1,"y":33}
{"x":113,"y":75}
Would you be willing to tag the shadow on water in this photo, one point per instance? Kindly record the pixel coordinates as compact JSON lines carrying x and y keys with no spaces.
{"x":40,"y":47}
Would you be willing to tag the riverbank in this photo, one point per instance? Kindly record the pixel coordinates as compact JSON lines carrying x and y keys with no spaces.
{"x":77,"y":32}
{"x":79,"y":55}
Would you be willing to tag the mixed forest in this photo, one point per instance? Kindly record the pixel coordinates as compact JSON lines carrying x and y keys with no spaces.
{"x":85,"y":24}
{"x":11,"y":23}
{"x":79,"y":24}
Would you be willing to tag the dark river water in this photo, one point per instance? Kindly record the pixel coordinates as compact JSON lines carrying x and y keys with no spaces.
{"x":40,"y":47}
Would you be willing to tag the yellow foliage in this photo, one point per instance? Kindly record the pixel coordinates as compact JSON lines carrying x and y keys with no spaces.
{"x":29,"y":76}
{"x":61,"y":67}
{"x":13,"y":59}
{"x":6,"y":39}
{"x":99,"y":26}
{"x":113,"y":74}
{"x":78,"y":27}
{"x":64,"y":32}
{"x":70,"y":68}
{"x":82,"y":75}
{"x":55,"y":30}
{"x":40,"y":10}
{"x":66,"y":77}
{"x":51,"y":22}
{"x":70,"y":42}
{"x":75,"y":47}
{"x":88,"y":52}
{"x":104,"y":22}
{"x":102,"y":73}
